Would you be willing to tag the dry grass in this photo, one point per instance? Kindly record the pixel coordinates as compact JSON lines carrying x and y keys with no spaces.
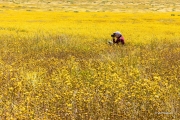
{"x":57,"y":65}
{"x":93,"y":5}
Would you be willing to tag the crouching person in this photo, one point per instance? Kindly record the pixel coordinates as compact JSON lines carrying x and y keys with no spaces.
{"x":117,"y":38}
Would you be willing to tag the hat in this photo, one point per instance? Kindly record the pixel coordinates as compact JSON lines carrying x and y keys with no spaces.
{"x":117,"y":33}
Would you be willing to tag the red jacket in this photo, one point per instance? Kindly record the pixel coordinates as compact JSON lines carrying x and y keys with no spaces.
{"x":119,"y":40}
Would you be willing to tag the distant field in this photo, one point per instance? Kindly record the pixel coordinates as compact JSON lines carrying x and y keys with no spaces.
{"x":93,"y":5}
{"x":55,"y":63}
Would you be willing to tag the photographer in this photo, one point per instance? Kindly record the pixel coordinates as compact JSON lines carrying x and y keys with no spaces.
{"x":119,"y":38}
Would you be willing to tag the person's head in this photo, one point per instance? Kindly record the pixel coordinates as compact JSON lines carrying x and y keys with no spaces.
{"x":117,"y":34}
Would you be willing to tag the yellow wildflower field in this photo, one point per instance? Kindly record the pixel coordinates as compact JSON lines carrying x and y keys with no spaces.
{"x":58,"y":65}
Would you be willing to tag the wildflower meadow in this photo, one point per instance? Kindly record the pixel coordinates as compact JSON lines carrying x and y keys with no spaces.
{"x":57,"y":65}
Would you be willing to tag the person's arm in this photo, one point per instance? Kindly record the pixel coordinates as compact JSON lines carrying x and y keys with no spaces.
{"x":114,"y":41}
{"x":117,"y":40}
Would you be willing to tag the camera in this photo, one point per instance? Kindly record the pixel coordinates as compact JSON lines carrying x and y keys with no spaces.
{"x":113,"y":35}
